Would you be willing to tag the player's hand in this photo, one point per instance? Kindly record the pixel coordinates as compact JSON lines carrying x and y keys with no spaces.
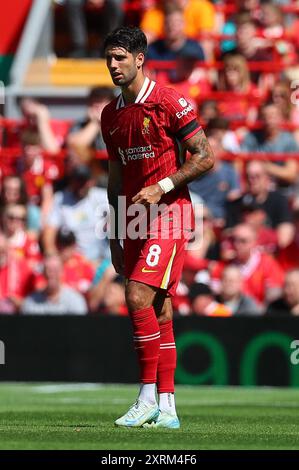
{"x":149,"y":195}
{"x":35,"y":110}
{"x":117,"y":256}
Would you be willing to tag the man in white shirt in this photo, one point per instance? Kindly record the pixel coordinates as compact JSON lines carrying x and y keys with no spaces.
{"x":81,"y":208}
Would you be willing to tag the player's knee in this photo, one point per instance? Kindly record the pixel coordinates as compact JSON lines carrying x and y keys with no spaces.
{"x":135,"y":299}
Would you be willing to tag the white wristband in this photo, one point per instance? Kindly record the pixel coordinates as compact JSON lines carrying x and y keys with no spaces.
{"x":166,"y":185}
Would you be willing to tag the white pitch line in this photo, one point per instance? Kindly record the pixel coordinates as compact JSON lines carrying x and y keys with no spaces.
{"x":57,"y":388}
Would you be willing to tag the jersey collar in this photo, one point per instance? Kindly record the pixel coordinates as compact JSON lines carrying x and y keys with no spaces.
{"x":146,"y":89}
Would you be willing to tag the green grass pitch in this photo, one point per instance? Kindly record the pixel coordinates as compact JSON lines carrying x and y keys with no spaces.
{"x":72,"y":416}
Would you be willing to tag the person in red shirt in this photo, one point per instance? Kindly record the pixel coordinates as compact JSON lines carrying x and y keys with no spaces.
{"x":141,"y":128}
{"x":23,"y":244}
{"x":235,"y":79}
{"x":38,"y":172}
{"x":114,"y":302}
{"x":16,"y":279}
{"x":262,"y":276}
{"x":275,"y":31}
{"x":77,"y":271}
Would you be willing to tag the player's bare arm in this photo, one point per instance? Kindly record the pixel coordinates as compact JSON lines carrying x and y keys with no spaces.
{"x":114,"y":190}
{"x":200,"y":161}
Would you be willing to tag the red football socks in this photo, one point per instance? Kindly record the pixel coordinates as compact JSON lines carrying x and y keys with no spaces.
{"x":167,"y":359}
{"x":147,"y":343}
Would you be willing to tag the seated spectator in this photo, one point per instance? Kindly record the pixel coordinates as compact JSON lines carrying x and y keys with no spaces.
{"x":271,"y":202}
{"x":256,"y":217}
{"x":219,"y":185}
{"x":273,"y":28}
{"x":288,"y":303}
{"x":56,"y":298}
{"x":253,"y":7}
{"x":114,"y":302}
{"x":253,"y":10}
{"x":281,"y":95}
{"x":218,"y":127}
{"x":235,"y":78}
{"x":78,"y":272}
{"x":208,"y":109}
{"x":110,"y":18}
{"x":175,"y":45}
{"x":272,"y":139}
{"x":232,"y":295}
{"x":199,"y":17}
{"x":13,"y":191}
{"x":105,"y":273}
{"x":249,"y":45}
{"x":204,"y":302}
{"x":87,"y":132}
{"x":16,"y":279}
{"x":271,"y":20}
{"x":37,"y":172}
{"x":262,"y":276}
{"x":83,"y":209}
{"x":22,"y":243}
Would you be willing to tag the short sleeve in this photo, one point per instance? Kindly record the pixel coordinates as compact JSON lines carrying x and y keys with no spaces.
{"x":180,"y":117}
{"x":112,"y":155}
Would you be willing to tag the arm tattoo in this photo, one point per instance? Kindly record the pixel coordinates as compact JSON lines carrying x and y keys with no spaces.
{"x":201,"y":160}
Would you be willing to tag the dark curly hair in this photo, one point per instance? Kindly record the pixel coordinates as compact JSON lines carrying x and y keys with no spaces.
{"x":130,"y":38}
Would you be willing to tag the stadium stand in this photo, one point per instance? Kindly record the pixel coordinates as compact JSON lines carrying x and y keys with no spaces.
{"x":233,"y":82}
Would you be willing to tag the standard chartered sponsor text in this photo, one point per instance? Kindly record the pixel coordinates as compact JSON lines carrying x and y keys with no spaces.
{"x":136,"y":153}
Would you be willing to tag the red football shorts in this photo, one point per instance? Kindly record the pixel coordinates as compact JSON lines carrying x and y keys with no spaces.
{"x":156,"y":261}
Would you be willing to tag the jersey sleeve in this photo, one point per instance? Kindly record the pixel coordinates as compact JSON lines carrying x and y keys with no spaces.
{"x":112,"y":155}
{"x":180,"y":117}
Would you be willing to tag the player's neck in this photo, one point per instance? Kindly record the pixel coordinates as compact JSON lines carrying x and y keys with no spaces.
{"x":131,"y":91}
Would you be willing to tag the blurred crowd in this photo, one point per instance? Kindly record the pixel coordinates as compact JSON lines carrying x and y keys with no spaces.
{"x":54,"y":252}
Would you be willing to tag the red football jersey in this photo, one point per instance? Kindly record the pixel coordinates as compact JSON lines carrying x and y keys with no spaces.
{"x":145,"y":137}
{"x":41,"y":173}
{"x":25,"y":245}
{"x":16,"y":279}
{"x":78,"y":273}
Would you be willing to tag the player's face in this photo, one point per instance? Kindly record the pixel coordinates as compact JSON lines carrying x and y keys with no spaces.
{"x":123,"y":65}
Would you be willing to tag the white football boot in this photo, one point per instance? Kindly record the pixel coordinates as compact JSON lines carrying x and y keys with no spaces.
{"x":139,"y":413}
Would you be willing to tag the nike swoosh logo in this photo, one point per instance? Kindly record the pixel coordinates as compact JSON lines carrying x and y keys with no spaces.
{"x":144,"y":270}
{"x":114,"y":130}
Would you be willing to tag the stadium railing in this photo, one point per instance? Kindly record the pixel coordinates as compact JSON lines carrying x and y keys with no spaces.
{"x":10,"y":155}
{"x":261,"y":66}
{"x":10,"y":128}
